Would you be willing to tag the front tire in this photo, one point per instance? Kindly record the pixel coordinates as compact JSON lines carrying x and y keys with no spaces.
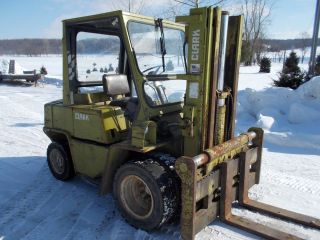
{"x":145,"y":194}
{"x":59,"y":162}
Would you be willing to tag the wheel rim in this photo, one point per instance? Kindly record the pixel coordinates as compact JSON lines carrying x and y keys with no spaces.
{"x":57,"y":161}
{"x":136,"y":197}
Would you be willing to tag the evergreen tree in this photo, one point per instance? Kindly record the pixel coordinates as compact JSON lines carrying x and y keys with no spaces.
{"x":317,"y":66}
{"x":265,"y":65}
{"x":101,"y":70}
{"x":291,"y":64}
{"x":43,"y":70}
{"x":291,"y":75}
{"x":111,"y":69}
{"x":88,"y":71}
{"x":94,"y":67}
{"x":169,"y":66}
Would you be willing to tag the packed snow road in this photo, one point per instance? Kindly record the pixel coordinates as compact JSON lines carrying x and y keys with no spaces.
{"x":33,"y":205}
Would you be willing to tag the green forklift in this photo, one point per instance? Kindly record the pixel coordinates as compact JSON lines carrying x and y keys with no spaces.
{"x":156,"y":128}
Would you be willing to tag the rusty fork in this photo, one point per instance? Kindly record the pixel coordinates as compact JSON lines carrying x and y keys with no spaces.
{"x":212,"y":181}
{"x":245,"y":178}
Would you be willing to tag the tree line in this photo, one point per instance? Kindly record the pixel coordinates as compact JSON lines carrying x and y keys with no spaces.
{"x":98,"y":46}
{"x":36,"y":47}
{"x":30,"y":47}
{"x":275,"y":45}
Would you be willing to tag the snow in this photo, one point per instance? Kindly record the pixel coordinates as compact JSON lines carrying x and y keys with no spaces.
{"x":33,"y":205}
{"x":289,"y":117}
{"x":310,"y":90}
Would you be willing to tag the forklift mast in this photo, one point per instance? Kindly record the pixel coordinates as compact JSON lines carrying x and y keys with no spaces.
{"x":218,"y":168}
{"x":214,"y":44}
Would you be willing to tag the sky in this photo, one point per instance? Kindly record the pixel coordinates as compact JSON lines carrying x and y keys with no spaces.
{"x":42,"y":18}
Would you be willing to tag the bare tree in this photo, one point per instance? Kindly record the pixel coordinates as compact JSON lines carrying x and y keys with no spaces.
{"x":46,"y":46}
{"x":172,"y":10}
{"x":260,"y":48}
{"x":197,"y":3}
{"x":181,"y":7}
{"x":277,"y":54}
{"x":133,"y":6}
{"x":304,"y":43}
{"x":256,"y":15}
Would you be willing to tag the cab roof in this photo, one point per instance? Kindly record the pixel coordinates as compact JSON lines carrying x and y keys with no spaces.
{"x":120,"y":14}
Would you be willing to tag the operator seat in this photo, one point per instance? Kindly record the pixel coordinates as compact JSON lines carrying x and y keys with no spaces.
{"x":116,"y":86}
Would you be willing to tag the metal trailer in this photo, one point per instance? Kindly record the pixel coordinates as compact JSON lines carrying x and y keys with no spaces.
{"x":29,"y":76}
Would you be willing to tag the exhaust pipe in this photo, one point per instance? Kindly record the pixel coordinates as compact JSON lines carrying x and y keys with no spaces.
{"x":221,"y":95}
{"x":222,"y":54}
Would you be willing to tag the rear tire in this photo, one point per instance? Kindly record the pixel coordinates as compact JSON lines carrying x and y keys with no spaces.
{"x":145,"y":194}
{"x":59,"y":162}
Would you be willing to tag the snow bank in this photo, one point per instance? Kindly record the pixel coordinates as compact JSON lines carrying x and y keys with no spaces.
{"x":299,"y":113}
{"x":289,"y":117}
{"x":311,"y":89}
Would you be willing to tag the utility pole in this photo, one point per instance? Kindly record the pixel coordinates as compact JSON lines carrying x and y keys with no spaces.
{"x":314,"y":39}
{"x":129,"y":5}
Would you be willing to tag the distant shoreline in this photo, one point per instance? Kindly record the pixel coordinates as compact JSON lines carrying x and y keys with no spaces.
{"x":39,"y":47}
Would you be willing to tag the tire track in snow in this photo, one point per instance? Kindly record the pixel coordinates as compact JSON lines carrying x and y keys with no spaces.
{"x":34,"y":214}
{"x":27,"y":198}
{"x":120,"y":230}
{"x":219,"y":230}
{"x":79,"y":224}
{"x":101,"y":212}
{"x":39,"y":214}
{"x":81,"y":227}
{"x":303,"y":185}
{"x":282,"y":225}
{"x":61,"y":218}
{"x":172,"y":230}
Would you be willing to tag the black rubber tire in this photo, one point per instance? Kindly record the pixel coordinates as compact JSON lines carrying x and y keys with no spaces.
{"x":68,"y":170}
{"x":162,"y":187}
